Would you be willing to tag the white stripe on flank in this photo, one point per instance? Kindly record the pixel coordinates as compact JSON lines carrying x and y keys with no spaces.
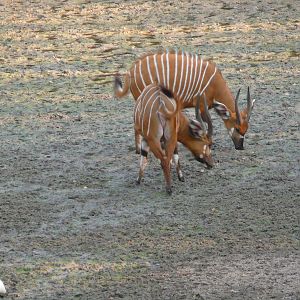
{"x":134,"y":75}
{"x":150,"y":113}
{"x":141,"y":75}
{"x":175,"y":69}
{"x":203,"y":77}
{"x":186,"y":75}
{"x":139,"y":105}
{"x":181,"y":74}
{"x":168,"y":70}
{"x":145,"y":107}
{"x":156,"y":69}
{"x":194,"y":81}
{"x":136,"y":110}
{"x":190,"y":81}
{"x":208,"y":82}
{"x":163,"y":68}
{"x":149,"y":71}
{"x":199,"y":76}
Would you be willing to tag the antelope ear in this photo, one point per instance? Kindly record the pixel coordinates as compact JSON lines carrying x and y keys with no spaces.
{"x":247,"y":110}
{"x":251,"y":106}
{"x":222,"y":110}
{"x":195,"y":129}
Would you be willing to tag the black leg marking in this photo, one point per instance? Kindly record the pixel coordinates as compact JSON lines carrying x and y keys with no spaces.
{"x":144,"y":153}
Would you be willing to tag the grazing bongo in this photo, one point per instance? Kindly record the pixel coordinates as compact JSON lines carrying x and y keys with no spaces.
{"x":161,"y":123}
{"x":187,"y":76}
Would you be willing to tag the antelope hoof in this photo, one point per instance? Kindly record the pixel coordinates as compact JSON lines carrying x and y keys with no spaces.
{"x":181,"y":178}
{"x":138,"y":181}
{"x":239,"y":148}
{"x":169,"y":191}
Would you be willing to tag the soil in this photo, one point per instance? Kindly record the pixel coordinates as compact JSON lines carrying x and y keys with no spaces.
{"x":73,"y":223}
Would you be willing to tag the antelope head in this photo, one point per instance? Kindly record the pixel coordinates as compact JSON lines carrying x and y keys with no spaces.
{"x":200,"y":135}
{"x":237,"y":122}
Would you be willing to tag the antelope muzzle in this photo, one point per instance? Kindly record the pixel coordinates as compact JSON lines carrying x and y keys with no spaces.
{"x":238,"y":140}
{"x":239,"y":143}
{"x":207,"y":161}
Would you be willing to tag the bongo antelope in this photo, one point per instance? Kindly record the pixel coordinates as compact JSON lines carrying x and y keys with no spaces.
{"x":161,"y":123}
{"x":187,"y":76}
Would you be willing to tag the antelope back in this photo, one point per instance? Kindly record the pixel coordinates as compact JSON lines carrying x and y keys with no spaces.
{"x":154,"y":111}
{"x":182,"y":73}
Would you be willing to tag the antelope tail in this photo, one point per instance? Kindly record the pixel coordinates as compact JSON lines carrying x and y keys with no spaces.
{"x":168,"y":114}
{"x":119,"y":90}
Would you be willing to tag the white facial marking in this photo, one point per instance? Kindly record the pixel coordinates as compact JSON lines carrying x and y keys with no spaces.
{"x":201,"y":155}
{"x":230,"y":131}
